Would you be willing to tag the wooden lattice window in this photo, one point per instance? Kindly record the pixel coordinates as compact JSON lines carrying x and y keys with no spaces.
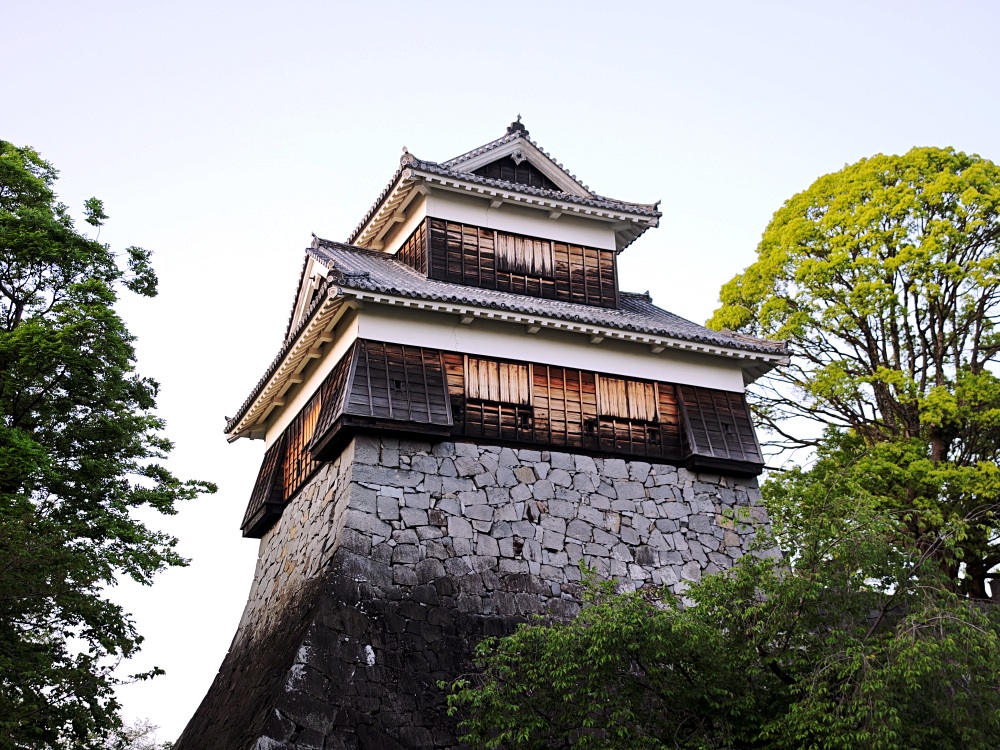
{"x":628,"y":399}
{"x":413,"y":252}
{"x":502,"y":382}
{"x":525,"y":255}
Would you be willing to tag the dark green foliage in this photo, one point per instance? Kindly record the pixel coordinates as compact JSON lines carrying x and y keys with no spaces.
{"x":80,"y":450}
{"x":857,"y":643}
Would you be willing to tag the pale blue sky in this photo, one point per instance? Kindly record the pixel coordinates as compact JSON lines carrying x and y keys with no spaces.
{"x":221,"y":134}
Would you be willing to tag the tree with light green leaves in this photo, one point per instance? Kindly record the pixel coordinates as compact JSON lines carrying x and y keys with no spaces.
{"x":81,"y":450}
{"x":884,"y":278}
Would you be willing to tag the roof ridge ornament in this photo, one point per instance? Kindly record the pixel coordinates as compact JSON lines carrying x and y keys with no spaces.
{"x":517,"y":127}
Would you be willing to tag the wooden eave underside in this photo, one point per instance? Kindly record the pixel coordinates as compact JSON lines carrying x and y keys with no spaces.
{"x":310,"y":344}
{"x":628,"y":225}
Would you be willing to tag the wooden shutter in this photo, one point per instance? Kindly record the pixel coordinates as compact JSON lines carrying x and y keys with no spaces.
{"x":717,"y":425}
{"x":503,"y":382}
{"x":612,"y":397}
{"x":524,"y":255}
{"x":627,"y":399}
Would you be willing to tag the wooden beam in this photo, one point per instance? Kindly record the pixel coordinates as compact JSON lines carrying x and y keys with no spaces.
{"x":657,"y":348}
{"x":533,"y":329}
{"x":496,"y":203}
{"x":596,"y":339}
{"x":466,"y":319}
{"x":555,"y":214}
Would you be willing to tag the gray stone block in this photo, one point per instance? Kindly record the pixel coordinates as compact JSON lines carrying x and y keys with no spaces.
{"x":477,"y":497}
{"x":506,"y":476}
{"x":520,"y":493}
{"x":366,"y":522}
{"x":405,"y":553}
{"x":468,"y":450}
{"x":580,"y":530}
{"x":468,"y":467}
{"x":485,"y":479}
{"x":479,"y":512}
{"x":615,"y":468}
{"x":414,"y":517}
{"x":525,"y":474}
{"x":506,"y":512}
{"x":638,"y":470}
{"x":586,"y":465}
{"x":691,"y":571}
{"x":508,"y":458}
{"x":552,"y":523}
{"x":418,"y":500}
{"x":388,"y":508}
{"x":627,"y":490}
{"x":443,"y":449}
{"x":487,"y":545}
{"x":459,"y":528}
{"x":454,"y":485}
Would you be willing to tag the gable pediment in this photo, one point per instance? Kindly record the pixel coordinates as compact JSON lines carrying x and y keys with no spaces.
{"x":517,"y":169}
{"x":521,"y":157}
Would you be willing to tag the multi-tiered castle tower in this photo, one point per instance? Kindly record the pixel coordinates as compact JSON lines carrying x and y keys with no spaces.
{"x":464,"y":407}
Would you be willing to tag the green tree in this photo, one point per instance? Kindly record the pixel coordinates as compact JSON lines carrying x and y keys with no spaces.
{"x":884,"y":278}
{"x":855,"y":644}
{"x":80,"y":450}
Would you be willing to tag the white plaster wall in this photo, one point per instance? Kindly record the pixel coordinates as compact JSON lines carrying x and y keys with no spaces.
{"x":466,"y":209}
{"x":416,"y":211}
{"x":508,"y":340}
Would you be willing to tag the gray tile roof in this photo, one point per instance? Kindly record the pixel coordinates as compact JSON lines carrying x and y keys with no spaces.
{"x":368,"y":270}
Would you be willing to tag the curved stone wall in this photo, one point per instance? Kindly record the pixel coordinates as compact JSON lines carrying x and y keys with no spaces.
{"x":384,"y":571}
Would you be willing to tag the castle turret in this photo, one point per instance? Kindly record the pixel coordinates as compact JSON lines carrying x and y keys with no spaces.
{"x":464,"y":408}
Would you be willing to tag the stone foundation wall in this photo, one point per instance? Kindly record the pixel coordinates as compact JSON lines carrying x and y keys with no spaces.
{"x":384,"y":571}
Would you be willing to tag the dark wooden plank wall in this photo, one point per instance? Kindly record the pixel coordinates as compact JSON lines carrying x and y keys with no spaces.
{"x":398,"y":383}
{"x":524,"y":173}
{"x":718,"y":425}
{"x":414,"y":251}
{"x":267,"y":497}
{"x":464,"y":254}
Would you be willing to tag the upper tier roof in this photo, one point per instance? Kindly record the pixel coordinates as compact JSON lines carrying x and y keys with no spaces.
{"x":458,"y":174}
{"x":362,"y":269}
